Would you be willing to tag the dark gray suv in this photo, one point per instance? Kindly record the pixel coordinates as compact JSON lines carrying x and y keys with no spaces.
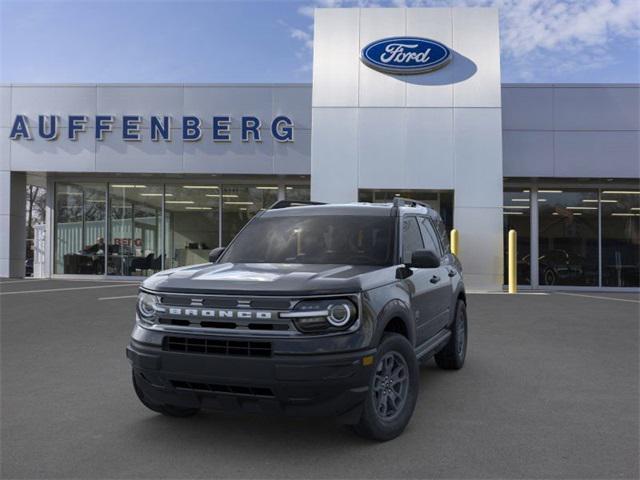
{"x":311,"y":310}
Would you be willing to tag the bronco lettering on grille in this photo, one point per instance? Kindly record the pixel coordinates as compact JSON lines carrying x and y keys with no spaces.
{"x":215,"y":313}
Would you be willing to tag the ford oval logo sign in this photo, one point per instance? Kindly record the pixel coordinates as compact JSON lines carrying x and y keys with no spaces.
{"x":405,"y":55}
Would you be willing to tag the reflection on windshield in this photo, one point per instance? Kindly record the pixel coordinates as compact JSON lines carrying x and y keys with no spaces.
{"x":328,"y":239}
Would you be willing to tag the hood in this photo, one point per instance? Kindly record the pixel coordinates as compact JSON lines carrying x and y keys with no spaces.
{"x":270,"y":279}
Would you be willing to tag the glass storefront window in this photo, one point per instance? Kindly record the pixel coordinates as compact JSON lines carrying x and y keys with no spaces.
{"x":95,"y":209}
{"x":198,"y":218}
{"x":568,"y":237}
{"x":440,"y":201}
{"x":134,"y":229}
{"x":620,"y":238}
{"x":240,"y":203}
{"x":297,"y":193}
{"x":68,"y":216}
{"x":192,"y":223}
{"x":79,"y":228}
{"x":517,"y":216}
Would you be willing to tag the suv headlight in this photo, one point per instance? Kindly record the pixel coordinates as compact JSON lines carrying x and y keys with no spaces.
{"x":316,"y":316}
{"x":146,"y":307}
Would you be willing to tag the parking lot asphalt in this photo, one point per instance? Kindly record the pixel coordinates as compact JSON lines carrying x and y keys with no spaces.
{"x":549,"y":390}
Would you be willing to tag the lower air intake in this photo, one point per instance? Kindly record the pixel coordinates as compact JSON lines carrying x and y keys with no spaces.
{"x":215,"y":388}
{"x":217,"y":347}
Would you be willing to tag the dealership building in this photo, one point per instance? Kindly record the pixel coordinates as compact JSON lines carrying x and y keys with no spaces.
{"x":144,"y":177}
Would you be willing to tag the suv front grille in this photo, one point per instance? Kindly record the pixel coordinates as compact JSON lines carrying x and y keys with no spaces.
{"x":256,"y":315}
{"x":217,"y":347}
{"x":229,"y":325}
{"x":215,"y":388}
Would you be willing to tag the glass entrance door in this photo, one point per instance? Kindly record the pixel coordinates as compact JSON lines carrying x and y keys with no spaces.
{"x":191,"y":224}
{"x":441,"y":201}
{"x":134,"y":241}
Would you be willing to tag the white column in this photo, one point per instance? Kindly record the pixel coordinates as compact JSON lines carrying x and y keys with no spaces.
{"x":535,"y":274}
{"x":478,"y":195}
{"x":12,"y":223}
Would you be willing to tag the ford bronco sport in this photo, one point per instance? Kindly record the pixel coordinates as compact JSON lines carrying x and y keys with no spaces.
{"x":312,"y":309}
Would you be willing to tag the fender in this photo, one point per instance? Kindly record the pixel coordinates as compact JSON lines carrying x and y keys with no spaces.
{"x":395,"y":309}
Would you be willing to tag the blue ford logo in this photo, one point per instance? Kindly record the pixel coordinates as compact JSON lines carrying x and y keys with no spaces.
{"x":405,"y":55}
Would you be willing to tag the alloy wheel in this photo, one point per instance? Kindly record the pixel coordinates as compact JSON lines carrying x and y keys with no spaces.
{"x":390,"y":385}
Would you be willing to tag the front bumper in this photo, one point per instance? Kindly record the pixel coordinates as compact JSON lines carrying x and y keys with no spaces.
{"x":301,"y":384}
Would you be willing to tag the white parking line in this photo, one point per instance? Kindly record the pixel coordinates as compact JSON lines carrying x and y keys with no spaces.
{"x":118,"y":298}
{"x":487,"y":292}
{"x":24,"y":280}
{"x":47,"y":290}
{"x":599,"y":297}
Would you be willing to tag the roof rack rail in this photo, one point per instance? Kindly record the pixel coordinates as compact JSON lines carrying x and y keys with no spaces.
{"x":293,"y":203}
{"x":408,"y":202}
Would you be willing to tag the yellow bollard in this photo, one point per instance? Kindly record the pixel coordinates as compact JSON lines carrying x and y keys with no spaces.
{"x":513,"y":266}
{"x":454,"y":242}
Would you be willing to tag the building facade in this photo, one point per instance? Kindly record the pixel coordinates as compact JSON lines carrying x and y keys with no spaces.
{"x":141,"y":178}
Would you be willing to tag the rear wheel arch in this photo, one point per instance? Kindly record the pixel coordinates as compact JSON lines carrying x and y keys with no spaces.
{"x":462,"y":296}
{"x":453,"y":354}
{"x":459,"y":296}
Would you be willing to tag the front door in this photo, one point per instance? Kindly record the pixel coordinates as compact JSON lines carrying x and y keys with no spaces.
{"x":442,"y":289}
{"x":421,"y":284}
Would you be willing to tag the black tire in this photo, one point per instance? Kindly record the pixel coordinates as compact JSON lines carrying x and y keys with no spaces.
{"x":374,"y":423}
{"x":452,"y":356}
{"x":168,"y":410}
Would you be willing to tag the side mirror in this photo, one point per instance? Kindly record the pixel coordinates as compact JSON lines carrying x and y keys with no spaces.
{"x":424,"y":259}
{"x":215,"y":254}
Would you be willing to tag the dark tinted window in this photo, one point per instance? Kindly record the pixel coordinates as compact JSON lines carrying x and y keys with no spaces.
{"x":411,"y":238}
{"x":568,"y":237}
{"x":620,"y":238}
{"x":330,"y":239}
{"x":429,"y":236}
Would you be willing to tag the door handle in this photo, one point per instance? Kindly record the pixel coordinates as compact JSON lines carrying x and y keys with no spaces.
{"x":452,"y":273}
{"x":435,"y":279}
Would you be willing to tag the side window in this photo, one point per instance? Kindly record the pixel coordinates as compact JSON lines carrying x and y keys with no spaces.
{"x":411,"y":239}
{"x":429,"y":236}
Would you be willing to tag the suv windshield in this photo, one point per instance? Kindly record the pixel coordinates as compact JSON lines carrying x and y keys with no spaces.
{"x":330,"y":239}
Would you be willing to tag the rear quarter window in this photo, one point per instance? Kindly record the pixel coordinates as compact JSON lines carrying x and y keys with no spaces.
{"x":442,"y":233}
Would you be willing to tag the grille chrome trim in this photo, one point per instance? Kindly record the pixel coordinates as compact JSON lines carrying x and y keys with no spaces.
{"x":203,"y":325}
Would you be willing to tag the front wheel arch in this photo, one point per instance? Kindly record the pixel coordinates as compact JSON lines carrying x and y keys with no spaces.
{"x":395,"y":314}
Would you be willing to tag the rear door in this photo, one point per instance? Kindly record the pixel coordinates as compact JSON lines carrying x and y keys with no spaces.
{"x":440,"y":296}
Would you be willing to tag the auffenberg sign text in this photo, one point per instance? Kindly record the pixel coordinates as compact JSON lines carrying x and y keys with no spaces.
{"x":158,"y":127}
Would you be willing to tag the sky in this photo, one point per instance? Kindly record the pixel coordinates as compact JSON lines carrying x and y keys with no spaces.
{"x":180,"y":41}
